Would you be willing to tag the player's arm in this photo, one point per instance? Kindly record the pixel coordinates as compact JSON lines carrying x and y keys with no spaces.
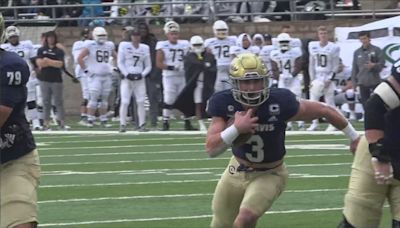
{"x":309,"y":110}
{"x":298,"y":62}
{"x":121,"y":60}
{"x":311,"y":67}
{"x":81,"y":57}
{"x":115,"y":56}
{"x":220,"y":137}
{"x":275,"y":70}
{"x":386,"y":97}
{"x":335,"y":62}
{"x":147,"y":64}
{"x":160,"y":57}
{"x":5,"y":112}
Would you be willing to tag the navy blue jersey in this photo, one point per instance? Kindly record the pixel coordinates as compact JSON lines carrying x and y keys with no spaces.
{"x":16,"y":137}
{"x":268,"y":143}
{"x":391,"y":140}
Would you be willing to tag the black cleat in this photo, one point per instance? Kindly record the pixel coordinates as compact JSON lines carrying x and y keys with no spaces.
{"x":165,"y":126}
{"x":189,"y":126}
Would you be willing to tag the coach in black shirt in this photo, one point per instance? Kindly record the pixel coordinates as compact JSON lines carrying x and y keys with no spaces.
{"x":50,"y":61}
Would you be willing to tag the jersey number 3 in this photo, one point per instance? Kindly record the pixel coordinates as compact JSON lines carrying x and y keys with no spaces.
{"x":257,"y":149}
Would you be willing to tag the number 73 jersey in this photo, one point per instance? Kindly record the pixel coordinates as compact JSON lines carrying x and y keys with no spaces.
{"x":99,"y":58}
{"x":173,"y":54}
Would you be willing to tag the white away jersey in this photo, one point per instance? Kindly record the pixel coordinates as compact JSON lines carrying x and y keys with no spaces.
{"x":77,"y":48}
{"x":24,"y":49}
{"x":173,"y":54}
{"x":286,"y":60}
{"x":132,"y":60}
{"x":220,"y":49}
{"x":99,"y":58}
{"x":265,"y":55}
{"x":323,"y":59}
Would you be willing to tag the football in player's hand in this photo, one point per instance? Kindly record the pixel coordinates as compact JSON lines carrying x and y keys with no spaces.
{"x":242,"y":138}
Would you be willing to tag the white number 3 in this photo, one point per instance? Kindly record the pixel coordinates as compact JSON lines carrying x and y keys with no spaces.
{"x":257,"y":149}
{"x":14,"y":78}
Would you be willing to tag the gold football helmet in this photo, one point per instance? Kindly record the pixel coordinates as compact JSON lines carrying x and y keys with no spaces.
{"x":2,"y":29}
{"x":251,"y":69}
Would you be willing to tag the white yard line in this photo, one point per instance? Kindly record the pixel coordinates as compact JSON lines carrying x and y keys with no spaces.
{"x":170,"y":196}
{"x":114,"y":147}
{"x":174,"y":152}
{"x":179,"y":217}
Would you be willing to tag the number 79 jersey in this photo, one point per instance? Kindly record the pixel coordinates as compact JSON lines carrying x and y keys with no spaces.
{"x":173,"y":54}
{"x":99,"y":58}
{"x":220,"y":49}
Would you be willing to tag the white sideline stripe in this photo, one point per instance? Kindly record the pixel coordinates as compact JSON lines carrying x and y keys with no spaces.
{"x":294,"y":176}
{"x":160,"y":139}
{"x":169,"y":196}
{"x":192,"y":173}
{"x":175,"y":152}
{"x":180,"y":217}
{"x":126,"y":183}
{"x":69,"y":172}
{"x":289,"y":146}
{"x":152,"y":160}
{"x":110,"y":132}
{"x":123,"y":146}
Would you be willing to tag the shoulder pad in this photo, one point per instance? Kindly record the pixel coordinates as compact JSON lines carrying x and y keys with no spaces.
{"x":388,"y":95}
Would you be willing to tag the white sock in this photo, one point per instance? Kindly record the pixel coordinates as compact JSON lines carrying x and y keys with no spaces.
{"x":141,"y":113}
{"x":123,"y":112}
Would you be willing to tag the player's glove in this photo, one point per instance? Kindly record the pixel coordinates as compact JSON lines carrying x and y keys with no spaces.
{"x":134,"y":77}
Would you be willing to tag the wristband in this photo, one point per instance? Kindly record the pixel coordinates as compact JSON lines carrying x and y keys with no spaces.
{"x":229,"y":135}
{"x":350,"y":132}
{"x":170,"y":68}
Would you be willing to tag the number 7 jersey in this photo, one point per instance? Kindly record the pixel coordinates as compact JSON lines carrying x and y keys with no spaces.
{"x":99,"y":58}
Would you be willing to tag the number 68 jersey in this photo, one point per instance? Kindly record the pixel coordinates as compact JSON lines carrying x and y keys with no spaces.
{"x":268,"y":143}
{"x":99,"y":58}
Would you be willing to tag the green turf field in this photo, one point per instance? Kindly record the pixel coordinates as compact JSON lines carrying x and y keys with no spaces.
{"x":155,"y":180}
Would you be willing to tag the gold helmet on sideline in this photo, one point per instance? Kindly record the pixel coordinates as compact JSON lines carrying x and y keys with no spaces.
{"x":246,"y":67}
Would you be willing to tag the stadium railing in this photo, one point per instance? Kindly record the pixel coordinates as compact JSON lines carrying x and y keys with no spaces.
{"x":298,"y":10}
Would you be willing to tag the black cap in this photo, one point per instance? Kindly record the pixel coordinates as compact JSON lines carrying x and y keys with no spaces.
{"x":267,"y":36}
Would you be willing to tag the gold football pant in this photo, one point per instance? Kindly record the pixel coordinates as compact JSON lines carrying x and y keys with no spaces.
{"x":255,"y":191}
{"x":365,"y":198}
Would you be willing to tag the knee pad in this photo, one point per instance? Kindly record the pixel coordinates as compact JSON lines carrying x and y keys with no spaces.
{"x":31,"y":105}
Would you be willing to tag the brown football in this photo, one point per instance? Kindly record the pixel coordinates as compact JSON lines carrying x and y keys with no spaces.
{"x":242,"y":138}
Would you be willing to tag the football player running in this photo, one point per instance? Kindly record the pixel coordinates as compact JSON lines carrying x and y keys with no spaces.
{"x":135,"y":64}
{"x":324,"y":64}
{"x":377,"y":159}
{"x":256,"y":174}
{"x":169,"y":58}
{"x":98,"y":69}
{"x":19,"y":160}
{"x":286,"y":66}
{"x":219,"y":46}
{"x":26,"y":50}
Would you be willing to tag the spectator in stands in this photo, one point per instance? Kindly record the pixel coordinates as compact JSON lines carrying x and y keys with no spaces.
{"x":153,"y":80}
{"x":71,"y":12}
{"x":368,"y":61}
{"x":90,"y":11}
{"x":50,"y":61}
